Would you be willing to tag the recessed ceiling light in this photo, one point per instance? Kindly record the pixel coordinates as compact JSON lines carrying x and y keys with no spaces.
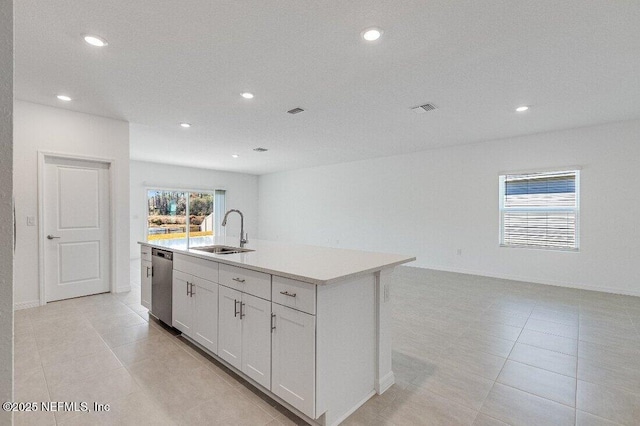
{"x":522,"y":108}
{"x":185,"y":125}
{"x":235,"y":155}
{"x":95,"y":40}
{"x":372,"y":34}
{"x":64,"y":98}
{"x":247,"y":95}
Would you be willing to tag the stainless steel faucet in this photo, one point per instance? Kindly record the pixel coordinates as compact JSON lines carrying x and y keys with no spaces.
{"x":244,"y":238}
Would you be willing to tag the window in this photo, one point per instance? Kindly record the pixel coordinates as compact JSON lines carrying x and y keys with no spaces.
{"x":171,"y":217}
{"x":540,"y":210}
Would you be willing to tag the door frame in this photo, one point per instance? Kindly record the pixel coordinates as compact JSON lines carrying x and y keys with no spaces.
{"x":111,"y":162}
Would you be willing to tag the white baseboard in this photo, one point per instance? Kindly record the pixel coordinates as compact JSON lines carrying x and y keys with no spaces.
{"x":555,"y":283}
{"x":26,"y":305}
{"x":123,"y":289}
{"x":386,"y":382}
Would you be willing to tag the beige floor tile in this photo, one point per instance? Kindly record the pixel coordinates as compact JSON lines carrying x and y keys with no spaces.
{"x":586,"y":419}
{"x":103,"y":389}
{"x":554,"y":328}
{"x":611,"y":376}
{"x":76,"y":348}
{"x":545,"y":359}
{"x":425,"y":408}
{"x":25,"y":355}
{"x":612,"y":404}
{"x":230,"y":408}
{"x":520,"y":408}
{"x":119,"y":322}
{"x":607,"y":337}
{"x":456,"y":385}
{"x":475,"y":362}
{"x":484,"y":420}
{"x":30,"y":386}
{"x":80,"y":369}
{"x":609,"y":356}
{"x":37,"y":418}
{"x":153,"y":347}
{"x":502,"y":331}
{"x":136,"y":409}
{"x":129,"y":334}
{"x":543,"y":383}
{"x":561,"y":317}
{"x":486,"y":343}
{"x":549,"y":341}
{"x":501,"y":317}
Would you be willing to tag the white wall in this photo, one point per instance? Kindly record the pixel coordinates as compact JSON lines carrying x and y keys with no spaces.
{"x":242,"y":194}
{"x":43,"y":128}
{"x":432,"y":203}
{"x":6,"y":207}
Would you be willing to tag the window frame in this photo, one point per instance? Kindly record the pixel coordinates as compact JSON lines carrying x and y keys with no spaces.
{"x":501,"y":209}
{"x":187,"y":192}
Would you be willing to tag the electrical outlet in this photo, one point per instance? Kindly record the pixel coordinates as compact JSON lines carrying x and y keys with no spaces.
{"x":31,"y":221}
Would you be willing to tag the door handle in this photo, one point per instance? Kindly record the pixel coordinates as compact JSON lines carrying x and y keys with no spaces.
{"x":51,"y":237}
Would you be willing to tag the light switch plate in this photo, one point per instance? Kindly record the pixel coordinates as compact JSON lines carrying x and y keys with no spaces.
{"x":31,"y":221}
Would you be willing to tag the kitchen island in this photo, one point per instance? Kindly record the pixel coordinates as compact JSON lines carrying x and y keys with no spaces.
{"x":309,"y":326}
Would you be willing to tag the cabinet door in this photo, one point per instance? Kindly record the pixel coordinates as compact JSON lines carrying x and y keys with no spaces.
{"x":145,"y":284}
{"x":256,"y":339}
{"x":181,"y":307}
{"x":206,"y":314}
{"x":229,"y":326}
{"x":293,"y":356}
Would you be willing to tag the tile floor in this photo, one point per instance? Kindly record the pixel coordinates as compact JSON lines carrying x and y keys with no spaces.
{"x":468,"y":350}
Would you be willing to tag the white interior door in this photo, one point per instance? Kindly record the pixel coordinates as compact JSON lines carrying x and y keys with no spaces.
{"x":76,"y":228}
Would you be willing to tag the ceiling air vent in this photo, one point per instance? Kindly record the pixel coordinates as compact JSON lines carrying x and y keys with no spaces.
{"x":295,"y":111}
{"x":260,"y":149}
{"x":424,"y":108}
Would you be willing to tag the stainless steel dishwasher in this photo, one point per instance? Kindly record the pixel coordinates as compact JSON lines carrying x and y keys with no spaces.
{"x":161,"y":282}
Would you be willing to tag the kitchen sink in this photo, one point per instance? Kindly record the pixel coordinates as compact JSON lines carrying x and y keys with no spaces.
{"x":220,"y":249}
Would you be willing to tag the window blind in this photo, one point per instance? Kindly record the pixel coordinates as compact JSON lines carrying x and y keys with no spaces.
{"x":540,"y":210}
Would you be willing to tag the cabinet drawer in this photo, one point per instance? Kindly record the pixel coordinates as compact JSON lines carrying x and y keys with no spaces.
{"x":145,"y":253}
{"x":295,"y":294}
{"x":195,"y":266}
{"x":246,"y":280}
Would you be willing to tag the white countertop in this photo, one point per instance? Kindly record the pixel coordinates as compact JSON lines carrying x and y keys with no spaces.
{"x":316,"y":265}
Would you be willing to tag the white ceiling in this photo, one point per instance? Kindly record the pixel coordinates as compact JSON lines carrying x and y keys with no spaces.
{"x":577,"y":62}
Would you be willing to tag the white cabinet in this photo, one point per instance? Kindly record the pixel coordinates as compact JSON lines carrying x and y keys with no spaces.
{"x":195,"y":309}
{"x":206,"y":314}
{"x":256,"y":339}
{"x":293,"y":358}
{"x":146,"y":272}
{"x":182,"y":302}
{"x":244,"y":334}
{"x":230,"y":327}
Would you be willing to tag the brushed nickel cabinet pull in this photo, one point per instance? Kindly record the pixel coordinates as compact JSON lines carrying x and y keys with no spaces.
{"x":187,"y":287}
{"x":192,"y":292}
{"x":235,"y":308}
{"x":286,"y":293}
{"x":273,"y":322}
{"x":242,"y":314}
{"x":238,"y":280}
{"x":148,"y":271}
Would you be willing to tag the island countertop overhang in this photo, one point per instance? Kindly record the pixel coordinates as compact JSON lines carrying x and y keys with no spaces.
{"x":312,"y":264}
